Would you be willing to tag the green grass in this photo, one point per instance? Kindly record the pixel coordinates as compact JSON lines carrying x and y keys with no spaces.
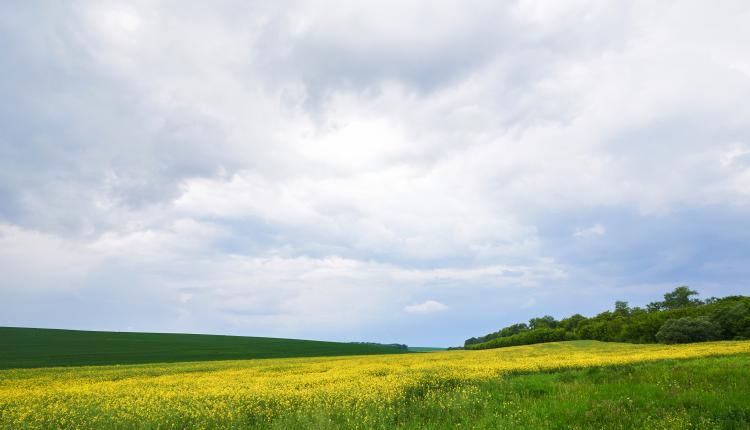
{"x":32,"y":347}
{"x":700,"y":393}
{"x":705,"y":393}
{"x":424,"y":349}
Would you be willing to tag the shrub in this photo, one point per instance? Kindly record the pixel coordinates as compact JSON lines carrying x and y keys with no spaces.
{"x":733,"y":321}
{"x":529,"y":337}
{"x":688,"y":329}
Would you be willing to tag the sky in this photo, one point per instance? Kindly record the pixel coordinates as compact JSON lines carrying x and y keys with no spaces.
{"x":417,"y":172}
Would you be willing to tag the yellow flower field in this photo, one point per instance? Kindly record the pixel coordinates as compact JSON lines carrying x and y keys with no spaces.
{"x":228,"y":393}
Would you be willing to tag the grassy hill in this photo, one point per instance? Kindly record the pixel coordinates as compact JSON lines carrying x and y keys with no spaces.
{"x":33,"y":347}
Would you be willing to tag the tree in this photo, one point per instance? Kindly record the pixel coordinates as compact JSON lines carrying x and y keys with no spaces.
{"x":711,"y":300}
{"x":679,"y":318}
{"x":546,"y":321}
{"x":622,"y":308}
{"x":512,"y":329}
{"x":688,"y":329}
{"x":680,"y":298}
{"x":733,"y":321}
{"x":471,"y":341}
{"x":539,"y":335}
{"x":572,"y":322}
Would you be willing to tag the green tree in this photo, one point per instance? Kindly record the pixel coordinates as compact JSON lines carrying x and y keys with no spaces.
{"x":622,"y":308}
{"x":733,"y":321}
{"x":572,"y":322}
{"x":688,"y":329}
{"x":680,"y":298}
{"x":546,"y":321}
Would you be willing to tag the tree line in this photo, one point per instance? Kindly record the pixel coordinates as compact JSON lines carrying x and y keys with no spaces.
{"x":391,"y":345}
{"x":679,"y":318}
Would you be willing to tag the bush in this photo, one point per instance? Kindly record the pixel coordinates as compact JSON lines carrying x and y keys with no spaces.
{"x":733,"y":321}
{"x":529,"y":337}
{"x":688,"y":329}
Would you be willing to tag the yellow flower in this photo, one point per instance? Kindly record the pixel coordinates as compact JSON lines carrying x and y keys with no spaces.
{"x":234,"y":393}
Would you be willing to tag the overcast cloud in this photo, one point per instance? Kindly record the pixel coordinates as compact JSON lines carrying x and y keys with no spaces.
{"x":416,"y":172}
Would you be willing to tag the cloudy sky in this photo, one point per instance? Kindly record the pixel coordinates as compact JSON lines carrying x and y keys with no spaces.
{"x":417,"y":172}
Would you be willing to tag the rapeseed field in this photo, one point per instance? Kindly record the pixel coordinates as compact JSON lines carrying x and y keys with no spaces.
{"x":259,"y":393}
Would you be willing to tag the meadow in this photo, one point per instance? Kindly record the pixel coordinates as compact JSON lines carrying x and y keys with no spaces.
{"x":576,"y":384}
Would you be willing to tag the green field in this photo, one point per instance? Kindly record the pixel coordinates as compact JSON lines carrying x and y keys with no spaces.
{"x":704,"y":393}
{"x":32,"y":347}
{"x":579,"y":384}
{"x":424,"y":349}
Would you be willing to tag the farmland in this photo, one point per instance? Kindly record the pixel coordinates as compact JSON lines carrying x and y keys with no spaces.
{"x":533,"y":386}
{"x":33,"y":347}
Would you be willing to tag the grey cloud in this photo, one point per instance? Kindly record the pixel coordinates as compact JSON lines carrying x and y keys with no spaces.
{"x":428,"y":46}
{"x":76,"y":137}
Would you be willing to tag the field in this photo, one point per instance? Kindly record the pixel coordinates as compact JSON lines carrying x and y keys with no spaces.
{"x":32,"y":347}
{"x":424,"y":349}
{"x":569,"y":384}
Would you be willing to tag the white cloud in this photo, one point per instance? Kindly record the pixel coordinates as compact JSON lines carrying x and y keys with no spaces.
{"x":427,"y":307}
{"x":285,"y":171}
